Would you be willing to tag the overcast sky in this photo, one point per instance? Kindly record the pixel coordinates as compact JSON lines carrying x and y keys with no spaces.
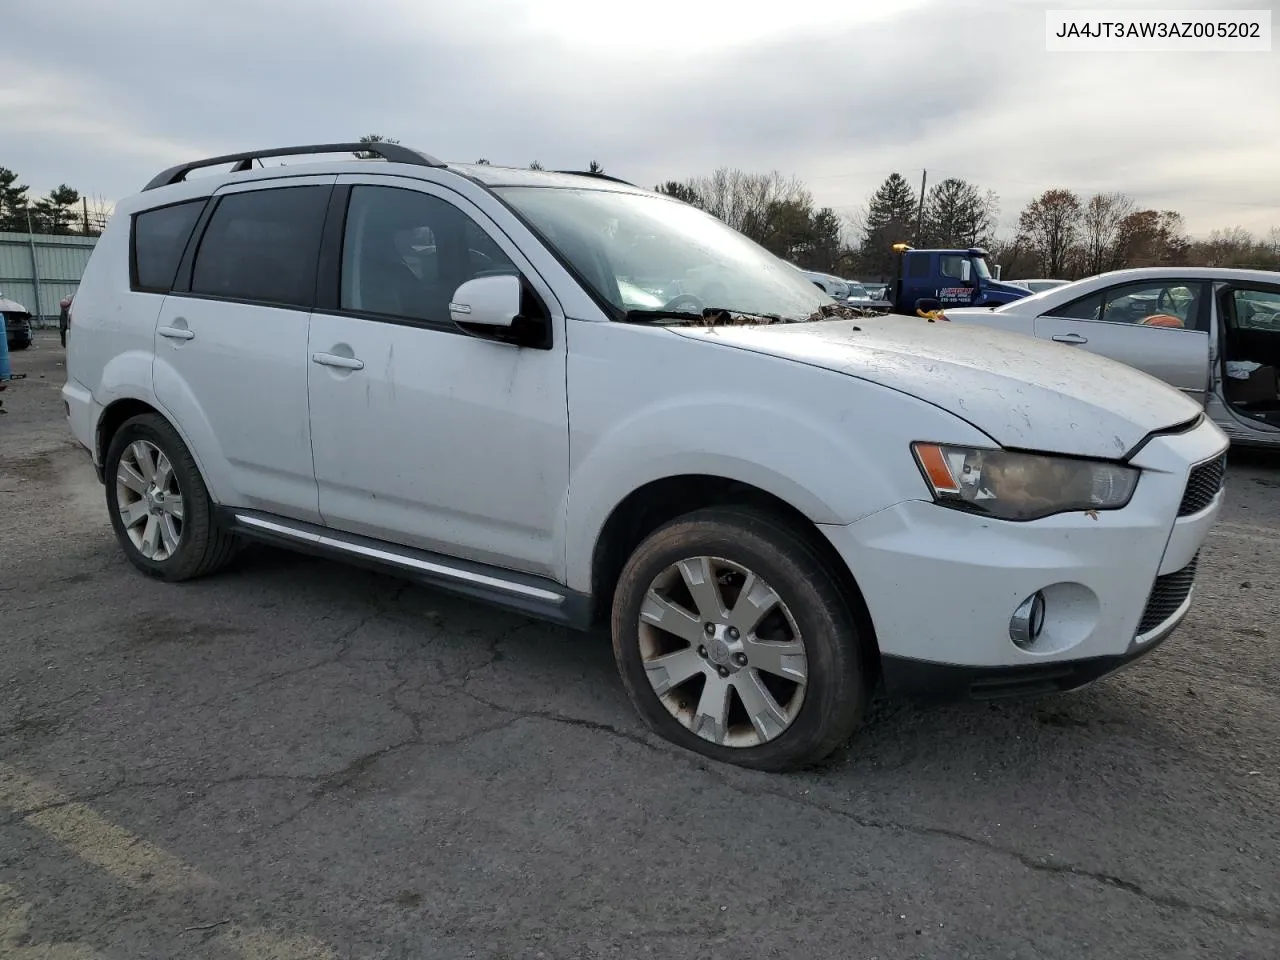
{"x":103,"y":95}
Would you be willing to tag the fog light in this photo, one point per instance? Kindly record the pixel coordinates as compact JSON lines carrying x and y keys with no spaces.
{"x":1028,"y":620}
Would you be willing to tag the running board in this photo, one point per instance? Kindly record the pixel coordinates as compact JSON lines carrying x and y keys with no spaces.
{"x":535,"y":597}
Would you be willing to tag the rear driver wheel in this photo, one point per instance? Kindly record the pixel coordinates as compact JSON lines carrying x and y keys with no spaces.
{"x":733,"y":640}
{"x":159,"y":506}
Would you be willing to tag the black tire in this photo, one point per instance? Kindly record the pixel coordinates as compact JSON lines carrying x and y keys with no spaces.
{"x":204,"y":546}
{"x":839,"y":680}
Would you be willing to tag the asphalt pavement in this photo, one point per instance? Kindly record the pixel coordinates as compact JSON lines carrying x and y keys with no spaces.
{"x":298,"y":759}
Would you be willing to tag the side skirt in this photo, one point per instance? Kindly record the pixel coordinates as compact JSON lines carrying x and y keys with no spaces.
{"x":535,"y":597}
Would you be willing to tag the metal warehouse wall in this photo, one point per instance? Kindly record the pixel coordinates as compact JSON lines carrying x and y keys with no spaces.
{"x":38,"y":270}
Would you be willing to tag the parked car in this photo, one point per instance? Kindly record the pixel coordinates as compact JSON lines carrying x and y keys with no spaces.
{"x":17,"y":324}
{"x":1213,"y":333}
{"x":833,"y":287}
{"x":771,"y":509}
{"x":1039,"y":286}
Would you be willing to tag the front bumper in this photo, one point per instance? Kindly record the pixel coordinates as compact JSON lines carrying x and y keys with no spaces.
{"x":921,"y":679}
{"x":941,"y":585}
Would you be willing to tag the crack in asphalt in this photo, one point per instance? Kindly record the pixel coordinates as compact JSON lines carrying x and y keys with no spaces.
{"x":327,"y":783}
{"x":1257,"y":918}
{"x":1028,"y":861}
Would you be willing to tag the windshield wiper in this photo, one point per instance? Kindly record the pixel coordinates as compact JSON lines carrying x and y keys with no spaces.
{"x":709,"y":317}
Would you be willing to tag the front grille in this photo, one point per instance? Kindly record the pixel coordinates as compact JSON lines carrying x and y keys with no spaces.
{"x":1167,"y":596}
{"x":1203,"y":485}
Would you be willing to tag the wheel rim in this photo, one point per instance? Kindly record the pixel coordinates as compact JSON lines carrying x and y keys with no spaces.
{"x":149,"y":500}
{"x":722,"y":652}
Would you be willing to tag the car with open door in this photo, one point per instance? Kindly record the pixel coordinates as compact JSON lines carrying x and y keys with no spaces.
{"x":1213,"y":333}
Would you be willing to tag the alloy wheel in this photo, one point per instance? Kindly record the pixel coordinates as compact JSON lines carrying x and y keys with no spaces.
{"x":723,"y":652}
{"x":149,"y":500}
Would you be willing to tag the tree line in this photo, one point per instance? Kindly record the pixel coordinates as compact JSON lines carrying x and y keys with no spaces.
{"x":1061,"y":233}
{"x":63,"y":210}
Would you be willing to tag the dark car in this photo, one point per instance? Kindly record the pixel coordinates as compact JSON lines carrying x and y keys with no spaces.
{"x":17,"y":324}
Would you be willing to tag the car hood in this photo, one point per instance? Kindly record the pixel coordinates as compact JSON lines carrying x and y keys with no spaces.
{"x":1020,"y":391}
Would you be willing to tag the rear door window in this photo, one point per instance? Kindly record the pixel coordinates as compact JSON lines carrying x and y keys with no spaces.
{"x":262,"y":246}
{"x":159,"y":237}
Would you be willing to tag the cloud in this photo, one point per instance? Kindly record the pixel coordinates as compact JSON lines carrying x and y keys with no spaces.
{"x":102,"y":96}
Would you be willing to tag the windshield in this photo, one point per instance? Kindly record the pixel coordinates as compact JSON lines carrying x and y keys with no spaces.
{"x":641,"y":252}
{"x":980,"y":265}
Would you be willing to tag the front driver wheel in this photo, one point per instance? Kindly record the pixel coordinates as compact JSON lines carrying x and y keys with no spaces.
{"x":159,"y":506}
{"x":733,"y":640}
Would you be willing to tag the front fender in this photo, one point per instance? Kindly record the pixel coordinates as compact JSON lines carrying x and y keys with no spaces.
{"x":835,"y":467}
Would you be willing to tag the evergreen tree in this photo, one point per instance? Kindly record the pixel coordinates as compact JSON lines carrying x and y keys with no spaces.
{"x":56,"y":213}
{"x":891,"y":216}
{"x":13,"y":203}
{"x":681,"y":191}
{"x":958,"y":214}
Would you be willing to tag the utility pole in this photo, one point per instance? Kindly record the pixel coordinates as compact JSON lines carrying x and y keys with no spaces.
{"x":924,"y":178}
{"x":35,"y":265}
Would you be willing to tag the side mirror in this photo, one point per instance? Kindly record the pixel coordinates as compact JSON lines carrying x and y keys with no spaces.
{"x":487,"y":301}
{"x":966,"y":271}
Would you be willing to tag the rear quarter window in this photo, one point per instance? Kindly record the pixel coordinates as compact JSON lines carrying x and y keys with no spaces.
{"x":159,"y":238}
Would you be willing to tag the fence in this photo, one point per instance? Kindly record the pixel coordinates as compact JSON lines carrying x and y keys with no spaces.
{"x":38,"y":270}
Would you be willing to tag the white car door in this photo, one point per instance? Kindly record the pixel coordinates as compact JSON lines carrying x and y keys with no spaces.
{"x":424,"y":435}
{"x":1161,"y":327}
{"x":231,"y":344}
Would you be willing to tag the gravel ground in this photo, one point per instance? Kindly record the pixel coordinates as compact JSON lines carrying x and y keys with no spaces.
{"x":300,"y":759}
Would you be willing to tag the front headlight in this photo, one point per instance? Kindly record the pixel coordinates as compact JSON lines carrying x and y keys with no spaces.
{"x":1021,"y":486}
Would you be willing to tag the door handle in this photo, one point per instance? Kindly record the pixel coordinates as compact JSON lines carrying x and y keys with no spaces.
{"x":333,"y":360}
{"x":177,"y":333}
{"x":1069,"y":338}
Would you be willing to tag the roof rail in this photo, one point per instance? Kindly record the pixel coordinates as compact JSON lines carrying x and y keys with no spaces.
{"x":598,"y":176}
{"x":391,"y":152}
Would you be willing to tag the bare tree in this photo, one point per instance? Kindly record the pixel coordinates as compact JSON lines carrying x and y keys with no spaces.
{"x":1151,"y":238}
{"x":1050,"y":225}
{"x":1232,"y":247}
{"x":96,"y":212}
{"x":742,"y":200}
{"x":1101,"y":223}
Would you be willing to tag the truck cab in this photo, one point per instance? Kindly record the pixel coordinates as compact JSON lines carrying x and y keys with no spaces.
{"x":930,"y":279}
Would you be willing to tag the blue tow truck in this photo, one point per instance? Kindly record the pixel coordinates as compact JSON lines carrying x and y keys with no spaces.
{"x":930,"y":280}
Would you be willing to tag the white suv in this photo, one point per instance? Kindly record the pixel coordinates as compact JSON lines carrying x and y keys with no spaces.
{"x":479,"y":377}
